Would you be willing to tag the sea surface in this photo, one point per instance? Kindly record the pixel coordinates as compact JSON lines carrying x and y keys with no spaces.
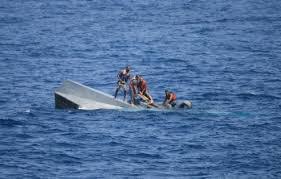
{"x":223,"y":55}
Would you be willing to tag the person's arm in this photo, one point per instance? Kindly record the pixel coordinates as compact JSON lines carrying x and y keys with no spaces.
{"x":170,"y":98}
{"x":142,"y":91}
{"x":134,"y":91}
{"x":121,"y":73}
{"x":118,"y":75}
{"x":132,"y":88}
{"x":128,"y":77}
{"x":144,"y":87}
{"x":132,"y":99}
{"x":167,"y":100}
{"x":140,"y":88}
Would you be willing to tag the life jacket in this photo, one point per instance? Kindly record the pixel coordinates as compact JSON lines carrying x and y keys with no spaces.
{"x":174,"y":97}
{"x":171,"y":96}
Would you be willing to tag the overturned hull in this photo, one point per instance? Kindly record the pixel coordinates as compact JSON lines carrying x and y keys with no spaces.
{"x":77,"y":96}
{"x":73,"y":95}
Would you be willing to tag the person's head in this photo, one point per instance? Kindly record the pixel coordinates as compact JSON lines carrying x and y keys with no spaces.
{"x":128,"y":69}
{"x":134,"y":81}
{"x":138,"y":77}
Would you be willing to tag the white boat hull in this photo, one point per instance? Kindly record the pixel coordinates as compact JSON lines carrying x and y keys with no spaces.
{"x":75,"y":95}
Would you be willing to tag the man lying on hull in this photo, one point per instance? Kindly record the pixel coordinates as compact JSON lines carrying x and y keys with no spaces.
{"x":123,"y":77}
{"x":170,"y":99}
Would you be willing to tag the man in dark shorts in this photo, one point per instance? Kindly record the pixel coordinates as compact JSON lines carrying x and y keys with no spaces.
{"x":123,"y":77}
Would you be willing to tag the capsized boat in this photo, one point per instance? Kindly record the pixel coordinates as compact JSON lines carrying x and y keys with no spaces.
{"x":74,"y":95}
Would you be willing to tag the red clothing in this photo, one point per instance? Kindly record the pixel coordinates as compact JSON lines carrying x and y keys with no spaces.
{"x":142,"y":86}
{"x":171,"y":96}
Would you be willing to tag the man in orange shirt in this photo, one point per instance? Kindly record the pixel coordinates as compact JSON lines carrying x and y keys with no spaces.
{"x":170,"y":99}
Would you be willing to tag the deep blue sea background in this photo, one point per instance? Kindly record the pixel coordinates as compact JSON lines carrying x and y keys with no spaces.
{"x":224,"y":55}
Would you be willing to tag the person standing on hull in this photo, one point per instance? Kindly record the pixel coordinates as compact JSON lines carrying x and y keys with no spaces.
{"x":133,"y":90}
{"x":143,"y":90}
{"x":123,"y":77}
{"x":170,"y":99}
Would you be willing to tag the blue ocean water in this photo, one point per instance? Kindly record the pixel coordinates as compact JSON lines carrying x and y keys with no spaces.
{"x":222,"y":55}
